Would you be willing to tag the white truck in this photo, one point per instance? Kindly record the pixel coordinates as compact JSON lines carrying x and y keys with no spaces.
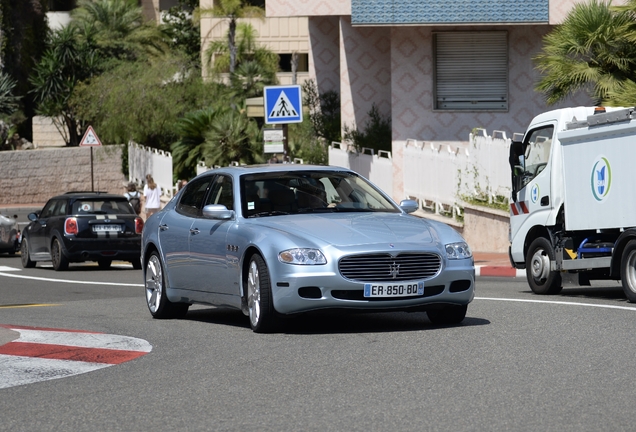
{"x":573,"y":204}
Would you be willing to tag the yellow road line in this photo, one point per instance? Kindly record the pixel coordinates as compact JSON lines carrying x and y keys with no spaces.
{"x":27,"y":305}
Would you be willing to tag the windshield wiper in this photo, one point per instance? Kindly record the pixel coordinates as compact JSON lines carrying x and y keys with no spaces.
{"x":269,"y":213}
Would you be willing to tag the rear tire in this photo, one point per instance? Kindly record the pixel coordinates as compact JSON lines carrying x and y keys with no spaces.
{"x":24,"y":254}
{"x":628,"y":271}
{"x":156,"y":299}
{"x":447,"y":315}
{"x":104,"y":264}
{"x":136,"y":264}
{"x":540,"y":278}
{"x":259,"y":296}
{"x":59,"y":260}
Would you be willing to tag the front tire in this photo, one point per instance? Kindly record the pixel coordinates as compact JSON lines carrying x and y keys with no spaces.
{"x":156,"y":299}
{"x":259,"y":296}
{"x":24,"y":254}
{"x":540,"y":278}
{"x":447,"y":315}
{"x":59,"y":260}
{"x":628,"y":271}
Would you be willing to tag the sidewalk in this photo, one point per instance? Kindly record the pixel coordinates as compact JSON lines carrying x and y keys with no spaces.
{"x":495,"y":264}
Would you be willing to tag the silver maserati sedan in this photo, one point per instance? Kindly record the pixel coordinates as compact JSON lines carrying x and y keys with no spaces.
{"x":281,"y":239}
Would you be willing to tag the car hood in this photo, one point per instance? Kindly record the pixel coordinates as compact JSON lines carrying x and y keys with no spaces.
{"x":353,"y":228}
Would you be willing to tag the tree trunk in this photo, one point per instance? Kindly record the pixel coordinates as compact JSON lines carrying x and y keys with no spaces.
{"x":231,"y":36}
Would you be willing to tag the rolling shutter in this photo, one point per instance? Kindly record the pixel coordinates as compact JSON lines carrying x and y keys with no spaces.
{"x":471,"y":71}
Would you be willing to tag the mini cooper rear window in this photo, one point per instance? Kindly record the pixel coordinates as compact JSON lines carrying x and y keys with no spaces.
{"x":108,"y":206}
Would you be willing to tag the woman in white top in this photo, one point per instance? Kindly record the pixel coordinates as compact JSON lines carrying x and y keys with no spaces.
{"x":152,"y":196}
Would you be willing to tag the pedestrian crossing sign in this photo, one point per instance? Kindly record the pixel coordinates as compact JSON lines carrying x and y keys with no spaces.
{"x":283,"y":104}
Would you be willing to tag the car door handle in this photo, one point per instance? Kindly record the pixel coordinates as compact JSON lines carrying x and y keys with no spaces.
{"x":163,"y":227}
{"x":194,"y":231}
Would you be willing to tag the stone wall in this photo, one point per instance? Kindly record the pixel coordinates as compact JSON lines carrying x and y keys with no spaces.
{"x":45,"y":134}
{"x":34,"y":176}
{"x":485,"y":229}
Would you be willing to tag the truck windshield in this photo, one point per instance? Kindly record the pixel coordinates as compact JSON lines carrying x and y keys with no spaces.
{"x":537,"y":153}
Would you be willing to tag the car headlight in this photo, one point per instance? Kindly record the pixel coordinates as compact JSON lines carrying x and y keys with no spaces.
{"x":458,"y":250}
{"x":302,"y":256}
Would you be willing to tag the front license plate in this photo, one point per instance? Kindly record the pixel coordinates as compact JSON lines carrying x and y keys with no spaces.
{"x":107,"y":228}
{"x":393,"y":290}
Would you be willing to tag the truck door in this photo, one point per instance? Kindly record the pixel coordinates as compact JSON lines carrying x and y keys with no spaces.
{"x":534,"y":200}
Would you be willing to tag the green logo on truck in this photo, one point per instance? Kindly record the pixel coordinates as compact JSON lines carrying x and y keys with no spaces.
{"x":601,"y":178}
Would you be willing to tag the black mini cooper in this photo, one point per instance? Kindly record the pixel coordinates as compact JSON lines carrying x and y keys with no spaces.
{"x":83,"y":226}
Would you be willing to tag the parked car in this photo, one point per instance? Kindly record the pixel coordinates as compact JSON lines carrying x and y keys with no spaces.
{"x":274,"y":240}
{"x":9,"y":234}
{"x":83,"y":226}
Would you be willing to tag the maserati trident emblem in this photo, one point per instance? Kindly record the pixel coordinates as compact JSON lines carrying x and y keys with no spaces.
{"x":394,"y":269}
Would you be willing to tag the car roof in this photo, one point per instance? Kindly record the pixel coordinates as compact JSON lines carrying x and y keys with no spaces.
{"x":75,"y":195}
{"x":264,"y":168}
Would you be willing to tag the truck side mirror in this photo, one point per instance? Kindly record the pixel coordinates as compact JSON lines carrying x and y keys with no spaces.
{"x":516,"y":167}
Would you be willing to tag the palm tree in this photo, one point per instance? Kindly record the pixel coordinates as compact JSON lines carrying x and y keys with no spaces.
{"x":250,"y":78}
{"x":118,"y":28}
{"x":590,"y":51}
{"x":191,"y":146}
{"x":67,"y":62}
{"x":233,"y":137}
{"x":8,"y":101}
{"x":232,"y":10}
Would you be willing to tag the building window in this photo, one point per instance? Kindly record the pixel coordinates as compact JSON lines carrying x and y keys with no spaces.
{"x":471,"y":71}
{"x":285,"y":62}
{"x":61,"y":5}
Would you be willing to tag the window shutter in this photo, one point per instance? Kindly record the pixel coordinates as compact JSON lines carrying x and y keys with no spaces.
{"x":471,"y":71}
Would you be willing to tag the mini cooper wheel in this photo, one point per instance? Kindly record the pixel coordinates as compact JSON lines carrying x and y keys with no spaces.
{"x":447,"y":315}
{"x":59,"y":260}
{"x":628,"y":271}
{"x":24,"y":254}
{"x":104,"y":263}
{"x":259,"y":296}
{"x":541,"y":279}
{"x":156,"y":298}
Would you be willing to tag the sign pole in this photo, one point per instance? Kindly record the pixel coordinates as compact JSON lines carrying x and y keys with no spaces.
{"x":90,"y":140}
{"x":285,"y":142}
{"x":92,"y":182}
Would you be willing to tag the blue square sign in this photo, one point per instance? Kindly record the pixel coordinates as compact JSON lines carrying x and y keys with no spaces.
{"x":283,"y":104}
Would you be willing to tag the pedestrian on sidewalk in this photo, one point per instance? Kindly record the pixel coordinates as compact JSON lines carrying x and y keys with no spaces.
{"x":133,"y":196}
{"x":152,"y":196}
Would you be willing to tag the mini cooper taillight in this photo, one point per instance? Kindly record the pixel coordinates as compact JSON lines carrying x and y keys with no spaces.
{"x":139,"y":225}
{"x":70,"y":226}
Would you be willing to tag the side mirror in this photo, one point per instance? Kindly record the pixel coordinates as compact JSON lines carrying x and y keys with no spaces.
{"x":217,"y":211}
{"x":33,"y":217}
{"x":409,"y":206}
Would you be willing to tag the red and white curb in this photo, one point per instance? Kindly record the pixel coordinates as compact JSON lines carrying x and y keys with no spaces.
{"x":41,"y":354}
{"x":499,"y":271}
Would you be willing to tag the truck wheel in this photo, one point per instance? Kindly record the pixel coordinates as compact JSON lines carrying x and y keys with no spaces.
{"x":540,"y":278}
{"x":628,"y":271}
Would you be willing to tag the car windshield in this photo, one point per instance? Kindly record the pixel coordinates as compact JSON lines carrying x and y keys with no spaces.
{"x":102,"y":206}
{"x":293,"y":192}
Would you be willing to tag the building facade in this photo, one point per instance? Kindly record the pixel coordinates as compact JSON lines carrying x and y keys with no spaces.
{"x":438,"y":70}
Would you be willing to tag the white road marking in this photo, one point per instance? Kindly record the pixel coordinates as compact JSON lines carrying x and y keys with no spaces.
{"x":5,"y":268}
{"x":69,"y":281}
{"x":558,"y":303}
{"x":85,"y":340}
{"x":17,"y":370}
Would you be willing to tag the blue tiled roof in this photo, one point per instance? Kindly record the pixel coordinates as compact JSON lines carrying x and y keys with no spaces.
{"x":448,"y":12}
